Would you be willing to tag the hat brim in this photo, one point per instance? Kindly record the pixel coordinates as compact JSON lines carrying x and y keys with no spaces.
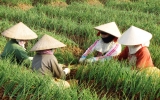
{"x":134,"y":36}
{"x":20,"y":31}
{"x":47,"y":42}
{"x":110,"y":28}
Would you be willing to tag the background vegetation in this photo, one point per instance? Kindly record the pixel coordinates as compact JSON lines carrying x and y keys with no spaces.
{"x":72,"y":22}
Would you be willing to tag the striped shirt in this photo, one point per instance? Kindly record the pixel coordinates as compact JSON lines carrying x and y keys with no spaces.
{"x":110,"y":49}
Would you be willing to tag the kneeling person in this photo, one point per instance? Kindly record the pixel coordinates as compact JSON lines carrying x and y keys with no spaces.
{"x":136,"y":51}
{"x":106,"y":47}
{"x":45,"y":62}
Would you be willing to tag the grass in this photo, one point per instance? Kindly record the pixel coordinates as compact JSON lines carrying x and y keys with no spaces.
{"x":21,"y":83}
{"x":74,"y":25}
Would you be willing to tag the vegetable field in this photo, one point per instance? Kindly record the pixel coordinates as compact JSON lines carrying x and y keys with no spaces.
{"x":72,"y":22}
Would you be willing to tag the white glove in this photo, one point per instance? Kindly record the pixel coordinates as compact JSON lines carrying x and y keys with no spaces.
{"x":93,"y":59}
{"x":82,"y":59}
{"x":66,"y":70}
{"x":30,"y":58}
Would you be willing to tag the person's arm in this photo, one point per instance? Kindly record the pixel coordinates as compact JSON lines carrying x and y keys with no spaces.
{"x":124,"y":54}
{"x":21,"y":54}
{"x":114,"y":51}
{"x":56,"y":69}
{"x":23,"y":58}
{"x":143,"y":58}
{"x":88,"y":51}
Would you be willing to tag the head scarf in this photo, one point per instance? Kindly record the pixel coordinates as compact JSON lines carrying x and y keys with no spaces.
{"x":133,"y":49}
{"x":48,"y":51}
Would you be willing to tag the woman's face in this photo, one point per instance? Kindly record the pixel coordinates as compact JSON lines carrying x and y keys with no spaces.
{"x":104,"y":35}
{"x":24,"y":41}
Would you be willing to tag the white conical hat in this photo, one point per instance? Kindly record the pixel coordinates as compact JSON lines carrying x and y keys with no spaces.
{"x":20,"y":31}
{"x":134,"y":36}
{"x":47,"y":42}
{"x":110,"y":28}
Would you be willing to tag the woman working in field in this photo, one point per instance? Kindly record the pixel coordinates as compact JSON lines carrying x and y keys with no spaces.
{"x":136,"y":51}
{"x":107,"y":46}
{"x":45,"y":62}
{"x":15,"y":48}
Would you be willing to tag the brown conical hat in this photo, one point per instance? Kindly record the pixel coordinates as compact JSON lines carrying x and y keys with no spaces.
{"x":47,"y":42}
{"x":20,"y":31}
{"x":134,"y":36}
{"x":110,"y":28}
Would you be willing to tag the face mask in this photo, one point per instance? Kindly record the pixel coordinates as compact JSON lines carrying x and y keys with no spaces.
{"x":134,"y":49}
{"x":108,"y":39}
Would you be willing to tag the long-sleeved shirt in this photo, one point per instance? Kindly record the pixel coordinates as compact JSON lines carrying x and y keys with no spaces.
{"x":47,"y":65}
{"x":110,"y":49}
{"x":14,"y":51}
{"x":141,"y":59}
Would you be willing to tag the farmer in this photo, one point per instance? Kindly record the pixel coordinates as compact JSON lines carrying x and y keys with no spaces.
{"x":15,"y":47}
{"x":136,"y":51}
{"x":107,"y":46}
{"x":45,"y":62}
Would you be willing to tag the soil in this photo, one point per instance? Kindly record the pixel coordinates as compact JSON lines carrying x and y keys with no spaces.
{"x":94,"y":2}
{"x":59,"y":4}
{"x":24,"y":6}
{"x":72,"y":74}
{"x":75,"y":50}
{"x":4,"y":97}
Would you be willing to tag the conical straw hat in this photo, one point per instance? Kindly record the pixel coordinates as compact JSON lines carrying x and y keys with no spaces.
{"x":47,"y":42}
{"x":110,"y":28}
{"x":134,"y":36}
{"x":20,"y":31}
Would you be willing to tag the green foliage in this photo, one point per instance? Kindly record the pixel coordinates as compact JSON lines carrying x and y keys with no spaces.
{"x":74,"y":26}
{"x":32,"y":2}
{"x":146,"y":6}
{"x":116,"y":77}
{"x":65,"y":57}
{"x":14,"y":2}
{"x":21,"y":83}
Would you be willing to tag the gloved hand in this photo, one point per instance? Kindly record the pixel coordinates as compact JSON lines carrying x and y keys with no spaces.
{"x":82,"y":59}
{"x":30,"y":58}
{"x":93,"y":59}
{"x":66,"y":70}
